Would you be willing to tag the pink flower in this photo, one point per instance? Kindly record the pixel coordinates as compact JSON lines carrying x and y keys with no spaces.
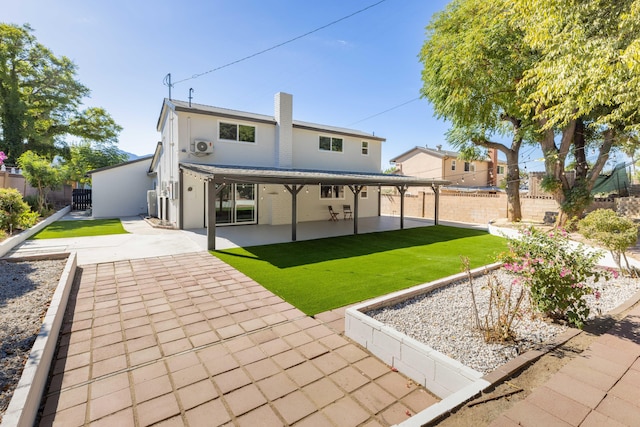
{"x":3,"y":157}
{"x":564,"y":272}
{"x":597,"y":295}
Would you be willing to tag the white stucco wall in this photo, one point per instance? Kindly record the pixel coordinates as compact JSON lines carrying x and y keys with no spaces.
{"x":307,"y":154}
{"x":194,"y":202}
{"x":122,"y":190}
{"x":230,"y":153}
{"x":274,"y":204}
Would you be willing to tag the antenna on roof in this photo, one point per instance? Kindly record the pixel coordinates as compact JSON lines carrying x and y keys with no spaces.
{"x":167,"y":82}
{"x":190,"y":97}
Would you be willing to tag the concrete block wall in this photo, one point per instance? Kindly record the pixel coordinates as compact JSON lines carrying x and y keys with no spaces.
{"x":535,"y":208}
{"x":440,"y":374}
{"x":628,"y":206}
{"x":482,"y":208}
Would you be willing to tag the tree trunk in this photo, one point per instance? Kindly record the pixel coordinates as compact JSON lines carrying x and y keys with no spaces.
{"x":513,"y":186}
{"x":572,"y":197}
{"x":513,"y":171}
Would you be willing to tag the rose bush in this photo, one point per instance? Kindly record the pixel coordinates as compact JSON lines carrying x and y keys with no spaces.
{"x":555,"y":273}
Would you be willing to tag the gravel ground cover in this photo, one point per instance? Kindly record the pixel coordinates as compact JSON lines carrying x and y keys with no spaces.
{"x":444,"y":320}
{"x":26,"y":289}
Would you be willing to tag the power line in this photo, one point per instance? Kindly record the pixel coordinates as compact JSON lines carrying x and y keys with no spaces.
{"x":385,"y":111}
{"x":195,"y":76}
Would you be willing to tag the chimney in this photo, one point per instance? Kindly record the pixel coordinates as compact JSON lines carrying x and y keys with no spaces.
{"x":439,"y":147}
{"x":284,"y":130}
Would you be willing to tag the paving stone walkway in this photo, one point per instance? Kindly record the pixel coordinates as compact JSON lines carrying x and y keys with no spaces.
{"x":600,"y":387}
{"x":186,"y":340}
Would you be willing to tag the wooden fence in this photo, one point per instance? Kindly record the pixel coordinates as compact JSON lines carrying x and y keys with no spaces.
{"x":81,"y":199}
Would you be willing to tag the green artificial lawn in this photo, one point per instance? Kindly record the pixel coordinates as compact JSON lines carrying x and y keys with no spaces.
{"x":320,"y":275}
{"x":81,"y":228}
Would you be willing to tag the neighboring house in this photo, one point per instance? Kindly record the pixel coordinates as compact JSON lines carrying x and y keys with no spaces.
{"x":215,"y":166}
{"x":436,"y":163}
{"x":121,"y":190}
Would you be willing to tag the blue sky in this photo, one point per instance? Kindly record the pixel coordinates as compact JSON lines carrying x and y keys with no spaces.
{"x":340,"y":76}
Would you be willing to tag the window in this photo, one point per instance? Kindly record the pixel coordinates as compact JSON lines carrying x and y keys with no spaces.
{"x":469,"y":167}
{"x":365,"y":148}
{"x":330,"y":144}
{"x":234,"y":132}
{"x":364,"y":193}
{"x":453,"y":165}
{"x":332,"y":191}
{"x":500,"y":170}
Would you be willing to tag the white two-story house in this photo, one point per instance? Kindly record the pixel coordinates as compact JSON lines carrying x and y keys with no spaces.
{"x":203,"y":135}
{"x":215,"y":166}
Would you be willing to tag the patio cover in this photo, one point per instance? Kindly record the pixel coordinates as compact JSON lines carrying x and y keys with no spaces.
{"x":294,"y":180}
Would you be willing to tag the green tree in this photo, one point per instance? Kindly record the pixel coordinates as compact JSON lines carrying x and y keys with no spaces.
{"x":473,"y":59}
{"x":615,"y":233}
{"x":40,"y":99}
{"x":41,"y":175}
{"x":85,"y":156}
{"x":584,"y":90}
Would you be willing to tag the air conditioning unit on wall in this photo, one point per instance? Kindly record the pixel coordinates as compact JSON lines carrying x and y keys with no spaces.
{"x":202,"y":146}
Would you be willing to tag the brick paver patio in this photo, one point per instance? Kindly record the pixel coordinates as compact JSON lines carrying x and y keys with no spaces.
{"x":187,"y":340}
{"x":600,"y":387}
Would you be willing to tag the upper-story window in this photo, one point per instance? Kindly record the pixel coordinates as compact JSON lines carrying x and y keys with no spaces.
{"x":330,"y":144}
{"x":365,"y":148}
{"x":500,"y":169}
{"x":236,"y":132}
{"x":453,"y":165}
{"x":469,"y":167}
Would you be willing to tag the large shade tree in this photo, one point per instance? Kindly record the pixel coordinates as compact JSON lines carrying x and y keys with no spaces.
{"x":473,"y":59}
{"x":584,"y":91}
{"x":565,"y":73}
{"x":41,"y":99}
{"x":86,"y":156}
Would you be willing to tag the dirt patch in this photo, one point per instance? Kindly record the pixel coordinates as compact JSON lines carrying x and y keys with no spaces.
{"x":491,"y":404}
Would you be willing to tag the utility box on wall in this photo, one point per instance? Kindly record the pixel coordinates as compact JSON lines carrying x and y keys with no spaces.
{"x":152,"y":203}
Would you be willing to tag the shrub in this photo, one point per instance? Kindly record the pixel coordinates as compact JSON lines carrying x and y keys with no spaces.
{"x":14,"y":212}
{"x":32,"y":201}
{"x":555,"y":273}
{"x":615,"y":233}
{"x":504,"y":310}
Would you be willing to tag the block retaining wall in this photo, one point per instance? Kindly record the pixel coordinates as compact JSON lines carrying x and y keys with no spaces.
{"x":440,"y":374}
{"x":482,"y":208}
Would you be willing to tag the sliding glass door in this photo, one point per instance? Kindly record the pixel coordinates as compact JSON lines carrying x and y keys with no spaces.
{"x":236,"y":204}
